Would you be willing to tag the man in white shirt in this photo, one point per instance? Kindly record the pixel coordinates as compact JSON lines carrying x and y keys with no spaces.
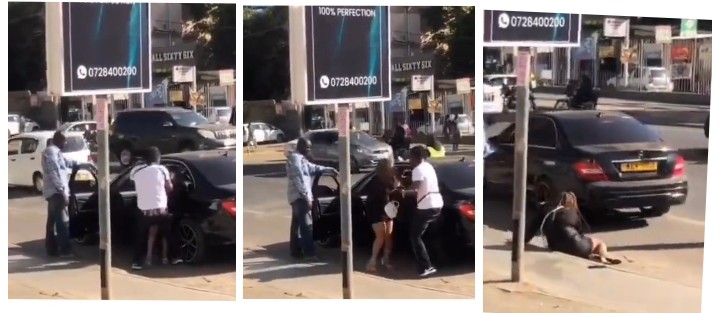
{"x":152,"y":185}
{"x":429,"y":205}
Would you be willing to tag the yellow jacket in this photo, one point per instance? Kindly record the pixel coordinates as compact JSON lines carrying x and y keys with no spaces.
{"x":436,"y":153}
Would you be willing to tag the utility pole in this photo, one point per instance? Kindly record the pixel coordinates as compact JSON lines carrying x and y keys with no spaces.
{"x":101,"y":117}
{"x":342,"y":122}
{"x":522,"y":117}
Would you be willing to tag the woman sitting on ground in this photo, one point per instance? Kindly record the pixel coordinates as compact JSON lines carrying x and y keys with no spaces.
{"x":435,"y":147}
{"x":565,"y":231}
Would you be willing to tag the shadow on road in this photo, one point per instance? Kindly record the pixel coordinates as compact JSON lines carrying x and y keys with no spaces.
{"x":268,"y":170}
{"x":30,"y":257}
{"x":15,"y":193}
{"x":697,"y":155}
{"x":659,"y":246}
{"x":278,"y":268}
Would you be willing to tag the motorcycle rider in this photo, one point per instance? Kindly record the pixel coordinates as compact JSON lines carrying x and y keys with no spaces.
{"x":584,"y":93}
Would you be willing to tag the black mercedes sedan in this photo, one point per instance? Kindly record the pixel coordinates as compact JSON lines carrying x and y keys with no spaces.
{"x":202,"y":203}
{"x":609,"y":160}
{"x":451,"y":235}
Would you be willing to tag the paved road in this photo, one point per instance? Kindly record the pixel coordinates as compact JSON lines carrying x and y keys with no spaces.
{"x":29,"y":265}
{"x":266,"y":223}
{"x":669,"y":247}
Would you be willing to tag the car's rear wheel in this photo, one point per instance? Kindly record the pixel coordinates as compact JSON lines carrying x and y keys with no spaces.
{"x":544,"y":189}
{"x":192,"y":241}
{"x":656,"y":211}
{"x":38,"y":183}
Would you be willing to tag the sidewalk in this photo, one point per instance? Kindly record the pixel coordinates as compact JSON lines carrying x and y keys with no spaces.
{"x":323,"y":281}
{"x":84,"y":284}
{"x":583,"y":281}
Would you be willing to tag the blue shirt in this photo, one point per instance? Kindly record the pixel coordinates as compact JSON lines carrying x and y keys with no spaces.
{"x":56,"y":172}
{"x":300,"y":174}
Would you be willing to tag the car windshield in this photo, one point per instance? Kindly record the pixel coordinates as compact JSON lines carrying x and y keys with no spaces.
{"x":72,"y":144}
{"x":457,"y":176}
{"x":188,"y":118}
{"x":362,"y":138}
{"x":607,"y":130}
{"x":13,"y":118}
{"x":218,"y":170}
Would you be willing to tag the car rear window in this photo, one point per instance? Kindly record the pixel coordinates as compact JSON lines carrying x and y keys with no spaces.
{"x":73,"y":144}
{"x":607,"y":130}
{"x":460,"y":175}
{"x":218,"y":170}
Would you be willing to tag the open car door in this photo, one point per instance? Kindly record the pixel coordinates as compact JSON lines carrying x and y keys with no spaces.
{"x":83,"y":204}
{"x":326,"y":191}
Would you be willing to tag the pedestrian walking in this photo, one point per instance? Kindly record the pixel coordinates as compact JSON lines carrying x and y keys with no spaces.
{"x":380,"y":189}
{"x":455,"y":132}
{"x":153,"y":183}
{"x":56,"y":175}
{"x":300,"y":173}
{"x":429,"y":205}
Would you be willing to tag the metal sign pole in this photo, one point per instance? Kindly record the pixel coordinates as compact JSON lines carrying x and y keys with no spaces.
{"x":342,"y":122}
{"x":101,"y":117}
{"x":522,"y":117}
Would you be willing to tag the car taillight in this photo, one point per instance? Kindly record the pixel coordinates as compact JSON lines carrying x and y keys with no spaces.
{"x":679,"y":169}
{"x":229,"y":206}
{"x":467,"y":209}
{"x":589,"y":171}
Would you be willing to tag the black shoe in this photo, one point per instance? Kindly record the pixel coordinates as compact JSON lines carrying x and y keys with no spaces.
{"x":428,"y":271}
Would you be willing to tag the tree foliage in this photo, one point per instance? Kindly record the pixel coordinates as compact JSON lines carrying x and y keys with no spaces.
{"x":214,"y":26}
{"x":26,"y":46}
{"x":266,"y":54}
{"x":452,"y":37}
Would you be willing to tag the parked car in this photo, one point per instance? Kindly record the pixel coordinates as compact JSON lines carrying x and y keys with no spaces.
{"x":170,"y":129}
{"x":365,"y":150}
{"x":264,"y":132}
{"x":608,"y":159}
{"x":492,"y":101}
{"x":87,"y":128}
{"x":654,"y":79}
{"x":450,"y":235}
{"x":19,"y":124}
{"x":202,"y":203}
{"x":25,"y":155}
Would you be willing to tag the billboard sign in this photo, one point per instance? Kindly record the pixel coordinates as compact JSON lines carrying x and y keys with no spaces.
{"x":344,"y":52}
{"x":531,"y":29}
{"x":97,"y":48}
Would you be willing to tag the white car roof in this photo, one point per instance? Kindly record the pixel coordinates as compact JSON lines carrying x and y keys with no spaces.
{"x":45,"y":134}
{"x":500,"y":76}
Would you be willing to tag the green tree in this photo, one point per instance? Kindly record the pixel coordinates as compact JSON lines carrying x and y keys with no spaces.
{"x":26,"y":46}
{"x":452,"y":37}
{"x":266,"y":54}
{"x":214,"y":26}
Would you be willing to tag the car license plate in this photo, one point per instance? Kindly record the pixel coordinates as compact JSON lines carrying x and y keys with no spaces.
{"x":639,"y":167}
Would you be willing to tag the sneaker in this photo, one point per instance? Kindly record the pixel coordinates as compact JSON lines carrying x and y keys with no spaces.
{"x":428,"y":271}
{"x":137,"y":266}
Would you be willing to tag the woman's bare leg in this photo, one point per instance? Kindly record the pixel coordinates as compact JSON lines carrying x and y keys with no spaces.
{"x":152,"y":233}
{"x":600,"y":249}
{"x":388,"y":243}
{"x":379,"y":229}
